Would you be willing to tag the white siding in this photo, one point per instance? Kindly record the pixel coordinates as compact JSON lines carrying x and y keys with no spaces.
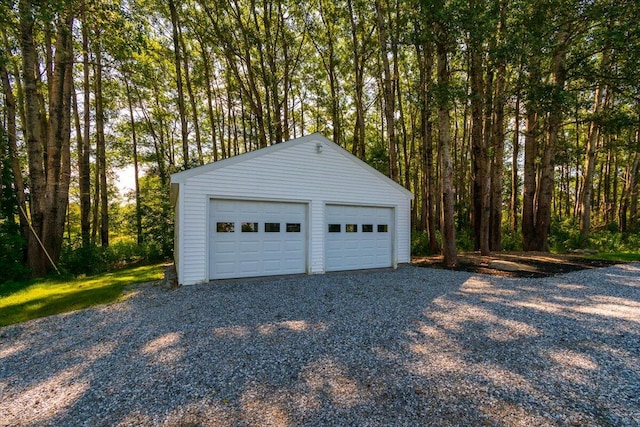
{"x":295,"y":173}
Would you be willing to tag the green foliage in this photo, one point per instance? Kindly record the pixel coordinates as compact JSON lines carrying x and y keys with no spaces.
{"x":43,"y":297}
{"x":12,"y":244}
{"x":511,"y":241}
{"x":420,"y":243}
{"x":465,"y":239}
{"x":11,"y":253}
{"x":565,"y":235}
{"x":77,"y":260}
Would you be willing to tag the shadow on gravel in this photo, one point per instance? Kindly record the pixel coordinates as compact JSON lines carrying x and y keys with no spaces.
{"x":411,"y":347}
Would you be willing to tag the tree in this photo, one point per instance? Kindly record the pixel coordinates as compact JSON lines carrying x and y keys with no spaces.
{"x":49,"y":146}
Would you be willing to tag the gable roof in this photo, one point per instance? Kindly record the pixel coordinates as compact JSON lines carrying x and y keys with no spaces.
{"x":180,"y":177}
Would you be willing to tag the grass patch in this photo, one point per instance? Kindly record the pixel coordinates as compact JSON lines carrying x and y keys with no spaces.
{"x":615,"y":256}
{"x":22,"y":301}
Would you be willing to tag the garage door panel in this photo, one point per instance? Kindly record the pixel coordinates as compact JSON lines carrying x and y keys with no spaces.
{"x":248,"y":247}
{"x":245,"y":250}
{"x":226,"y":267}
{"x":367,"y":247}
{"x":272,"y":248}
{"x":225,"y":247}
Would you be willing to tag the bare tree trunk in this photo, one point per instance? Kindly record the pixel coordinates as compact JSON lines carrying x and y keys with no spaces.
{"x":497,"y":164}
{"x":444,"y":140}
{"x":388,"y":92}
{"x":633,"y":204}
{"x":36,"y":257}
{"x":480,"y":194}
{"x":359,"y":147}
{"x":529,"y":189}
{"x":207,"y":83}
{"x":84,"y":149}
{"x":425,"y":60}
{"x":59,"y":170}
{"x":192,"y":98}
{"x":590,"y":157}
{"x":136,"y":169}
{"x":514,"y":167}
{"x":101,"y":149}
{"x":177,"y":62}
{"x":49,"y":188}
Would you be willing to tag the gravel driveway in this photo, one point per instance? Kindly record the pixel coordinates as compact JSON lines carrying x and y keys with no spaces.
{"x":412,"y":347}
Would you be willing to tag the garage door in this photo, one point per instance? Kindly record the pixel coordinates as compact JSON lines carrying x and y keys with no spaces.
{"x":250,"y":239}
{"x":358,"y":237}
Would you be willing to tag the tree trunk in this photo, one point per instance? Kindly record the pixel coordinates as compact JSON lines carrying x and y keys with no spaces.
{"x":36,"y":257}
{"x":444,"y":140}
{"x":101,"y":149}
{"x":497,"y":163}
{"x":480,"y":193}
{"x":425,"y":61}
{"x":84,"y":149}
{"x":359,"y":147}
{"x":590,"y":157}
{"x":49,"y":189}
{"x":136,"y":171}
{"x":192,"y":98}
{"x":514,"y":167}
{"x":529,"y":187}
{"x":177,"y":63}
{"x":207,"y":83}
{"x":545,"y":194}
{"x":388,"y":92}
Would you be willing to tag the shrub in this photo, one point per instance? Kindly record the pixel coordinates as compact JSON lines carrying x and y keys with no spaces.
{"x":511,"y":241}
{"x":12,"y":247}
{"x":420,"y":243}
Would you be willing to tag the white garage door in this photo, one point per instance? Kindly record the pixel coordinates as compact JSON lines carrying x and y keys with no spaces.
{"x":358,"y":237}
{"x":249,"y":239}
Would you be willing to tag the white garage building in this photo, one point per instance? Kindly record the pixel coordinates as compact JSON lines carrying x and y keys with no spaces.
{"x":302,"y":206}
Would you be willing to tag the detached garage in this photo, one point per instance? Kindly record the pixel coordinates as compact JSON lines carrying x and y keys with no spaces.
{"x":302,"y":206}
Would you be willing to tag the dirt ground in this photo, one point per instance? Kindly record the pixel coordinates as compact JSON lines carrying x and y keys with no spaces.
{"x":516,"y":264}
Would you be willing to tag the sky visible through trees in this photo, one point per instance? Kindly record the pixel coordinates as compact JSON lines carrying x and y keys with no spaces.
{"x":505,"y":118}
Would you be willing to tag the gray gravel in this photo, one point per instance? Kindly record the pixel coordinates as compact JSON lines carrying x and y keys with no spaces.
{"x":412,"y":347}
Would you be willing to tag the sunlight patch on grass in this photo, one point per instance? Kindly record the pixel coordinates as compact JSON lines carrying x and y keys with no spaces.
{"x":616,"y":256}
{"x":53,"y":296}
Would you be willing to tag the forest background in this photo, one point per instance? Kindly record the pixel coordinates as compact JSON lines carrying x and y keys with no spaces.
{"x":516,"y":123}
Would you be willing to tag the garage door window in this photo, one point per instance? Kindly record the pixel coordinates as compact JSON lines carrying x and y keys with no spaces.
{"x":367,"y":228}
{"x":271,"y":227}
{"x":334,"y":228}
{"x":225,"y":227}
{"x":382,"y":228}
{"x":293,"y":227}
{"x":249,"y":227}
{"x":351,"y":228}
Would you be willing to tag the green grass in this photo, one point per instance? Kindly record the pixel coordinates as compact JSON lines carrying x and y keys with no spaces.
{"x":43,"y":297}
{"x":616,"y":256}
